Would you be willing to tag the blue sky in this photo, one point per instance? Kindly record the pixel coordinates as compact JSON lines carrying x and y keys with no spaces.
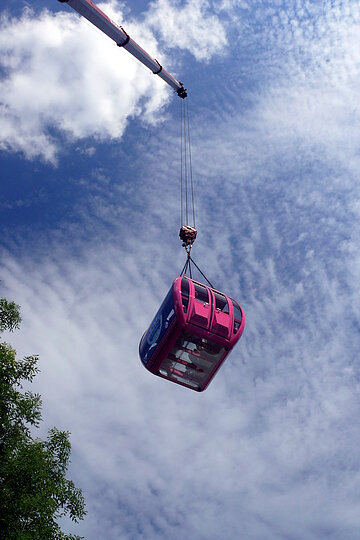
{"x":89,"y":220}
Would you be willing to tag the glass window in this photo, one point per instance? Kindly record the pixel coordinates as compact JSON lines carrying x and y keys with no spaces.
{"x":210,"y":351}
{"x":201,"y":293}
{"x":237,"y":316}
{"x":191,"y":360}
{"x":185,"y":293}
{"x":221,"y":302}
{"x":236,"y":326}
{"x":237,"y":311}
{"x":184,"y":287}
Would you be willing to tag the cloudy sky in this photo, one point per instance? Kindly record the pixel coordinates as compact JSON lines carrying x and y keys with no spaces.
{"x":89,"y":217}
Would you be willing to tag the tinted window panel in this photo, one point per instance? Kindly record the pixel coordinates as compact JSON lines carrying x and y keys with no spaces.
{"x":191,"y":360}
{"x":184,"y":287}
{"x":221,"y":302}
{"x":236,"y":326}
{"x":237,"y":311}
{"x":201,"y":293}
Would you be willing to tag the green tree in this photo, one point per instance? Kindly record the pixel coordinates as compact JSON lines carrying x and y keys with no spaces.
{"x":34,"y":490}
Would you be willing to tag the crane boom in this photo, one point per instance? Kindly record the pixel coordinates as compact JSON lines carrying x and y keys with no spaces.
{"x":92,"y":13}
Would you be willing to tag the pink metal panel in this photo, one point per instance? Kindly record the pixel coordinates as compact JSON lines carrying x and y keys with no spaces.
{"x":200,"y":305}
{"x":200,"y":314}
{"x":221,"y":324}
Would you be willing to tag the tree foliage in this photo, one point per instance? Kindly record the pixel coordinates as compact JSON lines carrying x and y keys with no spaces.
{"x":34,"y":490}
{"x":9,"y":315}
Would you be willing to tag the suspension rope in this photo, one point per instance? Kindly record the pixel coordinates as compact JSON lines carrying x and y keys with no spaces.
{"x":187,"y":200}
{"x":187,"y":192}
{"x":202,"y":273}
{"x":181,"y":166}
{"x":190,"y":164}
{"x":183,"y":271}
{"x":186,"y":169}
{"x":187,"y":266}
{"x":187,"y":232}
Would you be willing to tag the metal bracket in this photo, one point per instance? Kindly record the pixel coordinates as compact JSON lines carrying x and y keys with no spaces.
{"x":182,"y":92}
{"x":160,"y":68}
{"x":127,"y":39}
{"x":188,"y":236}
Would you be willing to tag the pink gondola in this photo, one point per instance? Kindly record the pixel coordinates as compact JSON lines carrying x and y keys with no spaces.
{"x":191,"y":335}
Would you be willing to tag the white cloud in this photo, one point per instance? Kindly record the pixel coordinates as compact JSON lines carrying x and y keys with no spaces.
{"x":191,"y":25}
{"x":304,"y":100}
{"x":314,"y":97}
{"x":60,"y":74}
{"x":89,"y":151}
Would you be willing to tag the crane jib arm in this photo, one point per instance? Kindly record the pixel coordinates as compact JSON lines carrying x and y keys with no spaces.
{"x":92,"y":13}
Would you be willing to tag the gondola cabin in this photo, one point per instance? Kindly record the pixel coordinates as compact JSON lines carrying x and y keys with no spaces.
{"x":191,"y":335}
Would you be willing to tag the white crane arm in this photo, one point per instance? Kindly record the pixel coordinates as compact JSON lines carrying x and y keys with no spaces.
{"x":92,"y":13}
